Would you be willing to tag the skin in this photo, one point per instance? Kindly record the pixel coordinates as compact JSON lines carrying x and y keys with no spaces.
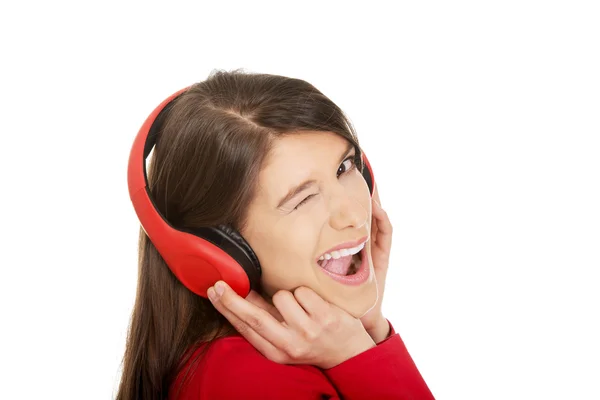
{"x":302,"y":308}
{"x":336,"y":208}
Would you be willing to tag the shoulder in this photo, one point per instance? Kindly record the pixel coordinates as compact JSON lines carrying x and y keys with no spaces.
{"x":233,"y":368}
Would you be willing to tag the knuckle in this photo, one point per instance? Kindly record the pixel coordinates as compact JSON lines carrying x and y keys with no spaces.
{"x":295,"y":351}
{"x":331,"y":321}
{"x":243,"y":329}
{"x":312,"y":334}
{"x":255,"y":322}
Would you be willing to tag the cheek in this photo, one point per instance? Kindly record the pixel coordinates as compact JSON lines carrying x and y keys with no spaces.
{"x":286,"y":255}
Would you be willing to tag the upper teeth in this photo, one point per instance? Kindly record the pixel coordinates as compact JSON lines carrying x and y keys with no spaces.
{"x":342,"y":253}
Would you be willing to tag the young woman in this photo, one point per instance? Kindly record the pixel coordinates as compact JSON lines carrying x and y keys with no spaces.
{"x":277,"y":164}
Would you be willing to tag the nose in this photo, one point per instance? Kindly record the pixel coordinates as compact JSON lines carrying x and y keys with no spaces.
{"x":347,"y":212}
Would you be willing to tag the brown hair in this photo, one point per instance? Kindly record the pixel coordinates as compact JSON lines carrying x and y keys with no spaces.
{"x":210,"y":148}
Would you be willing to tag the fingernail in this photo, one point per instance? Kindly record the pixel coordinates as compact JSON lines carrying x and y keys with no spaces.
{"x":212,"y":296}
{"x":220,"y":287}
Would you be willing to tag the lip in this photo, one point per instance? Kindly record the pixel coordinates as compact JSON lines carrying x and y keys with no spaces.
{"x":346,"y":245}
{"x":360,"y":277}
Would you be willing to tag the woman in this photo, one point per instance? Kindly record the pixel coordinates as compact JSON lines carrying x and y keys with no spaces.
{"x":277,"y":163}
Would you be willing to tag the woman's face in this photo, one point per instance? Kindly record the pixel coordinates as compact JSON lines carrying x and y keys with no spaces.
{"x":310,"y":199}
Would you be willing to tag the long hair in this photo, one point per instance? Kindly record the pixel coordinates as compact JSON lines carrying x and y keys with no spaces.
{"x":210,"y":148}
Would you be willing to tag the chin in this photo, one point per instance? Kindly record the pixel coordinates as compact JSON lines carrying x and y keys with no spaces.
{"x":363,"y":304}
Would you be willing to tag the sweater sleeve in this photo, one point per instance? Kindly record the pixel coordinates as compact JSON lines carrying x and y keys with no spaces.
{"x":234,"y":369}
{"x":386,"y":371}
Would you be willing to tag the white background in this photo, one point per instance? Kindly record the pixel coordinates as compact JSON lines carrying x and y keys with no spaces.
{"x":481,"y":120}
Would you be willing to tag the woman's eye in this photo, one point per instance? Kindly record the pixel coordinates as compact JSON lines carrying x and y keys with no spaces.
{"x":346,"y":166}
{"x":304,"y":201}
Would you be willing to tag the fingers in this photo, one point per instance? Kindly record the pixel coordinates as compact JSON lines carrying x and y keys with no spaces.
{"x":373,"y":226}
{"x":375,"y":202}
{"x":247,"y":318}
{"x":376,"y":195}
{"x":314,"y":304}
{"x":260,"y":301}
{"x":325,"y":335}
{"x":383,"y":221}
{"x":293,"y":314}
{"x":260,"y":343}
{"x":381,"y":228}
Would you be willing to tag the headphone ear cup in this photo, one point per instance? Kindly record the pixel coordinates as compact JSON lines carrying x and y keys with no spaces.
{"x":367,"y":173}
{"x":220,"y":253}
{"x":198,"y":257}
{"x":251,"y":265}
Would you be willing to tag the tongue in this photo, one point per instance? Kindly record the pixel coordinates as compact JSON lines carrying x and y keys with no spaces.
{"x":339,"y":266}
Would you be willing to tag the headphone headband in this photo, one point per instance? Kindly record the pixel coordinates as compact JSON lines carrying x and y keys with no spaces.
{"x":202,"y":256}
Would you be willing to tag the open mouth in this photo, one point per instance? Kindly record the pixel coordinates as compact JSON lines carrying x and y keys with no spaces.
{"x":343,"y":266}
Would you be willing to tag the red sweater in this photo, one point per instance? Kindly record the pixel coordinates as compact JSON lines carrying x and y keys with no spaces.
{"x":233,"y":369}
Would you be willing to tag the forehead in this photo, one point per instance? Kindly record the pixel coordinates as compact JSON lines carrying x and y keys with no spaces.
{"x":305,"y":145}
{"x":297,"y":157}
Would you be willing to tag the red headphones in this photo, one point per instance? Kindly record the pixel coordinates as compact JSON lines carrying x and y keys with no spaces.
{"x":201,"y":257}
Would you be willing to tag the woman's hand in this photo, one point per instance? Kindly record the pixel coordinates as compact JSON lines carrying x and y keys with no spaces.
{"x":299,"y":328}
{"x":381,"y":243}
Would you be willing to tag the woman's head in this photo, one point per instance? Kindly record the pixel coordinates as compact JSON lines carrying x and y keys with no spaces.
{"x":311,"y":198}
{"x":275,"y":159}
{"x":233,"y":147}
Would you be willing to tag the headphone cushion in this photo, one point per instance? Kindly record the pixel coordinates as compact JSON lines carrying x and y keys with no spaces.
{"x":237,"y":238}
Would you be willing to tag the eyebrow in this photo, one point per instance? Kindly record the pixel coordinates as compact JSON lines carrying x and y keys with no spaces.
{"x":306,"y":184}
